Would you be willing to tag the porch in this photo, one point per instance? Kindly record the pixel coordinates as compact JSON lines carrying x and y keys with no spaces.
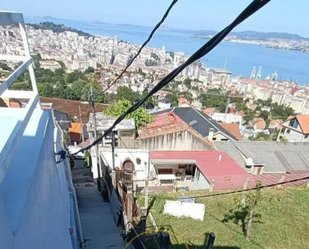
{"x":178,"y":173}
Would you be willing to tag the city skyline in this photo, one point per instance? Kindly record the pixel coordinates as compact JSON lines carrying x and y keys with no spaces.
{"x":193,"y":15}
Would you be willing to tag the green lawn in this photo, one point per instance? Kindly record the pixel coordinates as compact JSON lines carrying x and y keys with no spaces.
{"x":284,"y":221}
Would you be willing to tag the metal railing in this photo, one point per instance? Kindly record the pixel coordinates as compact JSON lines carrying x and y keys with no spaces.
{"x":8,"y":147}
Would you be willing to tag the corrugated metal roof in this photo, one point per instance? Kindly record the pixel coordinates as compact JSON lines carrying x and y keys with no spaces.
{"x":278,"y":157}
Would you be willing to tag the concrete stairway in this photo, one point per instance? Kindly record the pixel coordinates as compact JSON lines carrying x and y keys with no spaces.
{"x":99,"y":229}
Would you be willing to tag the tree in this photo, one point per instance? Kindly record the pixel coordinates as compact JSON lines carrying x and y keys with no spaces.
{"x":59,"y":72}
{"x":4,"y":66}
{"x":150,"y":102}
{"x":126,"y":93}
{"x":173,"y":98}
{"x":264,"y":115}
{"x":47,"y":90}
{"x":20,"y":86}
{"x":261,"y":136}
{"x":249,"y":116}
{"x":187,"y":82}
{"x":245,"y":211}
{"x":155,"y":56}
{"x":151,"y":63}
{"x":140,"y":116}
{"x":59,"y":90}
{"x":75,"y":91}
{"x":97,"y":91}
{"x":75,"y":76}
{"x":89,"y":70}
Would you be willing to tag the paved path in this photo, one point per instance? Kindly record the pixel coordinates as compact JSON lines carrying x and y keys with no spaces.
{"x":98,"y":225}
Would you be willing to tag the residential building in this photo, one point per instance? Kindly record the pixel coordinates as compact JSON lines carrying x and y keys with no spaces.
{"x":296,"y":129}
{"x":268,"y":157}
{"x":126,"y":148}
{"x":218,"y":76}
{"x":232,"y":129}
{"x":164,"y":103}
{"x":200,"y":122}
{"x":51,"y":65}
{"x":259,"y":124}
{"x":75,"y":109}
{"x":38,"y":207}
{"x":78,"y":133}
{"x":169,"y":132}
{"x":227,"y":117}
{"x":197,"y":169}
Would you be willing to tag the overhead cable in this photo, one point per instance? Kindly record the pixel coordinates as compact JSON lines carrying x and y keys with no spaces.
{"x":249,"y":189}
{"x":144,"y":44}
{"x":253,"y":7}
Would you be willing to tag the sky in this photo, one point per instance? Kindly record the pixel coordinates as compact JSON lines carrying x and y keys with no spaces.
{"x":279,"y":15}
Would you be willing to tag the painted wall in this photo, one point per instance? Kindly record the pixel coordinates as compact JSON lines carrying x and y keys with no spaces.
{"x":34,"y":198}
{"x":293,"y":135}
{"x":123,"y":154}
{"x":175,"y":141}
{"x":200,"y":183}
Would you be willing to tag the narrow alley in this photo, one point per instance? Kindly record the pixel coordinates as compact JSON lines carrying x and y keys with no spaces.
{"x":99,"y":229}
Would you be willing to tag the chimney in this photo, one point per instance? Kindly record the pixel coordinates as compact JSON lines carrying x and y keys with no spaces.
{"x":211,"y":134}
{"x":220,"y":158}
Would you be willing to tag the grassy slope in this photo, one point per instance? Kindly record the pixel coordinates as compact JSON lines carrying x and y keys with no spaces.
{"x":284,"y":221}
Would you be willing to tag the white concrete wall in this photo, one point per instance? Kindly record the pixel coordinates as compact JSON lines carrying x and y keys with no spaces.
{"x":123,"y":154}
{"x":175,"y":141}
{"x":34,"y":198}
{"x":200,"y":183}
{"x":293,"y":136}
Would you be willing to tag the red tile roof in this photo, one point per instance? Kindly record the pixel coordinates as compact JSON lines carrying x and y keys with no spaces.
{"x":209,"y":110}
{"x":168,"y":123}
{"x":260,"y":123}
{"x":226,"y":172}
{"x":303,"y":121}
{"x":269,"y":179}
{"x":182,"y":100}
{"x":71,"y":107}
{"x":233,"y":129}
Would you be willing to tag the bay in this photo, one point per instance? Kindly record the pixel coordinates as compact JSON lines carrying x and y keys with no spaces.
{"x":240,"y":58}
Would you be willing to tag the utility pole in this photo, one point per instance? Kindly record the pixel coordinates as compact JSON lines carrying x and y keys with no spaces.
{"x":113,"y":148}
{"x":227,"y":107}
{"x":91,"y":97}
{"x":81,"y":123}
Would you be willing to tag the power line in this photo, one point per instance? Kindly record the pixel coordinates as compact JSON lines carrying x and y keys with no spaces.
{"x":144,"y":44}
{"x":253,"y":7}
{"x":247,"y":190}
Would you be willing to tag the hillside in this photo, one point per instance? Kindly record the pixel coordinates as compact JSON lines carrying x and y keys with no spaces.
{"x":254,"y":35}
{"x":283,"y":223}
{"x":57,"y":28}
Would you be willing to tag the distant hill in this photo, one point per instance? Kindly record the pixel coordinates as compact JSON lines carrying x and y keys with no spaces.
{"x":58,"y":28}
{"x":255,"y":35}
{"x":245,"y":35}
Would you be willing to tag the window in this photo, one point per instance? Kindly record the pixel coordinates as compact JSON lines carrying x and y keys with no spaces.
{"x":294,"y":123}
{"x":198,"y":173}
{"x":306,"y":136}
{"x":193,"y":122}
{"x":288,"y":131}
{"x":283,"y":130}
